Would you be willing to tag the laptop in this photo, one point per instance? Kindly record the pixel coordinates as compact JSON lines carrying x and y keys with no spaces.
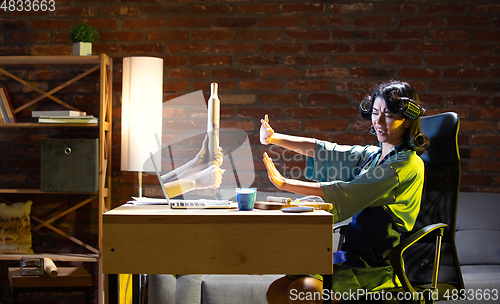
{"x":183,"y":204}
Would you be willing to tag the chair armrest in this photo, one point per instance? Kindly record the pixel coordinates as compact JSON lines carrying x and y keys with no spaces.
{"x":396,"y":254}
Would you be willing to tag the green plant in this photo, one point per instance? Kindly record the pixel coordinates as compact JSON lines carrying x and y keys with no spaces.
{"x":82,"y":33}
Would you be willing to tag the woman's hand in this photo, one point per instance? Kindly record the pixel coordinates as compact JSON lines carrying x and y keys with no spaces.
{"x":201,"y":156}
{"x":210,"y":177}
{"x":276,"y":178}
{"x":266,"y":132}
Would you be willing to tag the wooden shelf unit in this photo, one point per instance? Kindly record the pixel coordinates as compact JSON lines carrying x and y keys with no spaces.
{"x":100,"y":62}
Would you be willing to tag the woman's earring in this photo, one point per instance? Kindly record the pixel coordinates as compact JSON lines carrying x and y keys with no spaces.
{"x":372,"y":130}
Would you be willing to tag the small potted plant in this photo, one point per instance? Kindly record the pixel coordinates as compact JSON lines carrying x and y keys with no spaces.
{"x":82,"y":36}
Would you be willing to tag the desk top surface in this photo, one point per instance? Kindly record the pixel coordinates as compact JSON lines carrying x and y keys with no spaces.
{"x":164,"y":214}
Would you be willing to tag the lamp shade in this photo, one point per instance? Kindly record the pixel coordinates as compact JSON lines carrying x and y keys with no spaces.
{"x":142,"y":96}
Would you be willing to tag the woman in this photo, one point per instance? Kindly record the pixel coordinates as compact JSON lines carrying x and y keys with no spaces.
{"x":379,"y":187}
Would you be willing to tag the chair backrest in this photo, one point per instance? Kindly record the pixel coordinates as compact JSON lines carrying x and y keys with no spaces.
{"x":439,"y":201}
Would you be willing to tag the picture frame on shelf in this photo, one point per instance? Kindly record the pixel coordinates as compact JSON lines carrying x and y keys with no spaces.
{"x":6,"y":109}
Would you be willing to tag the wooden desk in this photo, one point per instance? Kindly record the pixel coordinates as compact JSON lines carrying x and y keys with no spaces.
{"x":159,"y":240}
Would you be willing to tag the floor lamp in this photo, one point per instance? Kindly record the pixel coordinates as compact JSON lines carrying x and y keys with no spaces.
{"x":142,"y":97}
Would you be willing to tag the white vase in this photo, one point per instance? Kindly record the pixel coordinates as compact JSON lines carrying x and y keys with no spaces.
{"x":82,"y":49}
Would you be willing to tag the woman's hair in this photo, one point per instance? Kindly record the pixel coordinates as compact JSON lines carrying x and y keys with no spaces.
{"x":400,"y":98}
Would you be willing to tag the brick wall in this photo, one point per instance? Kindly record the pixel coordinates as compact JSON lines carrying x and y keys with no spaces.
{"x":305,"y":64}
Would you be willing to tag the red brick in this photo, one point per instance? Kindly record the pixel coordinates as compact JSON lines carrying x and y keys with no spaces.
{"x":211,"y":9}
{"x":280,"y":73}
{"x":422,"y":22}
{"x":211,"y":35}
{"x":326,"y":21}
{"x":486,"y":60}
{"x":485,"y":9}
{"x":346,"y":112}
{"x":347,"y":59}
{"x":50,"y":24}
{"x":475,"y":21}
{"x":418,"y":73}
{"x":242,"y":125}
{"x":489,"y":87}
{"x":469,"y":48}
{"x":186,"y":74}
{"x":280,"y":98}
{"x":210,"y":60}
{"x":351,"y":8}
{"x":281,"y":47}
{"x":13,"y":24}
{"x":102,"y":23}
{"x":105,"y":48}
{"x":72,"y":11}
{"x":257,"y":60}
{"x":374,"y":47}
{"x":189,"y":22}
{"x":486,"y":35}
{"x":449,"y":35}
{"x":328,"y":72}
{"x":494,"y":73}
{"x":258,"y":8}
{"x":374,"y":21}
{"x":143,"y":23}
{"x":235,"y":48}
{"x":356,"y":86}
{"x":122,"y":36}
{"x":485,"y":139}
{"x":404,"y":35}
{"x":400,"y":59}
{"x":234,"y":73}
{"x":247,"y":34}
{"x":479,"y":153}
{"x":484,"y":166}
{"x":306,"y":112}
{"x":464,"y":73}
{"x":474,"y":179}
{"x":235,"y":22}
{"x":286,"y":21}
{"x":189,"y":47}
{"x":174,"y":60}
{"x":50,"y":74}
{"x":262,"y":85}
{"x":305,"y":60}
{"x":446,"y":60}
{"x":479,"y":125}
{"x":308,"y":34}
{"x":248,"y":112}
{"x":328,"y":47}
{"x":443,"y":85}
{"x":467,"y":100}
{"x":167,"y":36}
{"x":488,"y":113}
{"x":291,"y":8}
{"x":41,"y":50}
{"x":143,"y":48}
{"x":310,"y":85}
{"x":325,"y":125}
{"x":421,"y":47}
{"x":121,"y":10}
{"x":23,"y":37}
{"x":326,"y":98}
{"x":398,"y":8}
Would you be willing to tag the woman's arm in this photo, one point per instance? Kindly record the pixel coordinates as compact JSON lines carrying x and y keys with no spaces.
{"x":299,"y":144}
{"x":291,"y":185}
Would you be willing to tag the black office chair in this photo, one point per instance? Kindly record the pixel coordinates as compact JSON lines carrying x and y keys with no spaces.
{"x":416,"y":260}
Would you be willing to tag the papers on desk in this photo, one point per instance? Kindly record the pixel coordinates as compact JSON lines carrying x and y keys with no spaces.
{"x":147,"y":201}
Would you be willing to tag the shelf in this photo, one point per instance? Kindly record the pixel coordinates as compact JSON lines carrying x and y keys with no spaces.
{"x":37,"y":191}
{"x":50,"y":59}
{"x":28,"y":125}
{"x":53,"y":257}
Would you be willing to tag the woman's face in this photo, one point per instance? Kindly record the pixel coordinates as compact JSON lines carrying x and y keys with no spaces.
{"x":390,"y":127}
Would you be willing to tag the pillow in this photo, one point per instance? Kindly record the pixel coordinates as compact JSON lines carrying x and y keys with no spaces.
{"x":15,"y":228}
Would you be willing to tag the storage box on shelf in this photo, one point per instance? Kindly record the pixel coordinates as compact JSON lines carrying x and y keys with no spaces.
{"x":102,"y":131}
